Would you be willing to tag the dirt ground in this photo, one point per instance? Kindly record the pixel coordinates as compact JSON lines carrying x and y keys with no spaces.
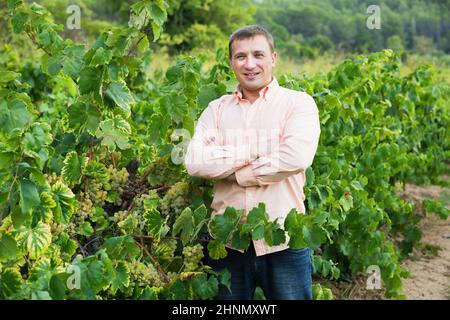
{"x":429,"y":266}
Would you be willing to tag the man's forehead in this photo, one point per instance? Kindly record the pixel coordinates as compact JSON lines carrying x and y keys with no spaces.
{"x":256,"y":43}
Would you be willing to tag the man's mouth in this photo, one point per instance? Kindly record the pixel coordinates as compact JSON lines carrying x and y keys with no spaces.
{"x":251,"y":75}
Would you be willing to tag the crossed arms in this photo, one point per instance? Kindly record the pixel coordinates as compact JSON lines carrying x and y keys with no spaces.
{"x":247,"y":165}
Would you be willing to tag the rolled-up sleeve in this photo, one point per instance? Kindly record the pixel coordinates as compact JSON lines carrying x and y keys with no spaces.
{"x":296,"y":149}
{"x":207,"y":157}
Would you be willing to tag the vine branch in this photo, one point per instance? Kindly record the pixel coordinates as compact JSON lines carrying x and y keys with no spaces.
{"x":154,"y":261}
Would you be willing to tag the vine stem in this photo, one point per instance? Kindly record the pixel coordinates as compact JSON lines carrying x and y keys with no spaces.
{"x":136,"y":43}
{"x":135,"y":46}
{"x":156,"y":263}
{"x":113,"y":161}
{"x":31,"y":35}
{"x":16,"y":175}
{"x":91,"y":152}
{"x":82,"y":249}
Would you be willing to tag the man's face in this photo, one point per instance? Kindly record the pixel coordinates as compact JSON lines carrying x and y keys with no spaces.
{"x":252,"y":62}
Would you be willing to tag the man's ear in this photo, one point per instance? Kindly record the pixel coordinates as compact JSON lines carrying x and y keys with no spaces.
{"x":274,"y":58}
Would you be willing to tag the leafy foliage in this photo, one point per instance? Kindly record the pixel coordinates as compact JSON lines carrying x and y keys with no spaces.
{"x":92,"y":207}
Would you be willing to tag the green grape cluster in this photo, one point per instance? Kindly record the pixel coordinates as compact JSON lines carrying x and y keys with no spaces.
{"x":161,"y":173}
{"x":143,"y":275}
{"x":85,"y":209}
{"x":52,"y":178}
{"x":117,"y":180}
{"x":96,"y":192}
{"x":134,"y":222}
{"x":192,"y":257}
{"x":149,"y":200}
{"x":171,"y":276}
{"x":176,"y":199}
{"x":58,"y":228}
{"x":119,"y":216}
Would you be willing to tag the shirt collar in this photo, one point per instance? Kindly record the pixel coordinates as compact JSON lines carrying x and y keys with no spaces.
{"x":266,"y":92}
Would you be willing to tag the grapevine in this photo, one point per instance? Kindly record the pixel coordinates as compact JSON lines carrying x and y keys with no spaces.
{"x":91,"y":183}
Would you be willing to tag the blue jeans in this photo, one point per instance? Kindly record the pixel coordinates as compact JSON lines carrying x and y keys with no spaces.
{"x":283,"y":275}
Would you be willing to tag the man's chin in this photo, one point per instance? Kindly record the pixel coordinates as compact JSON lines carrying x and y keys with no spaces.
{"x":252,"y":86}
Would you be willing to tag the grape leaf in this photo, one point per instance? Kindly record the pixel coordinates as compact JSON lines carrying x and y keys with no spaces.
{"x":206,"y":95}
{"x":82,"y":115}
{"x":13,"y":116}
{"x":216,"y":249}
{"x":293,"y":225}
{"x":313,"y":235}
{"x":179,"y":290}
{"x":240,"y":240}
{"x":175,"y":105}
{"x":35,"y":240}
{"x":101,"y":57}
{"x":154,"y":223}
{"x":10,"y":282}
{"x":223,"y":225}
{"x":256,"y":219}
{"x":65,"y":202}
{"x":205,"y":287}
{"x":7,"y":76}
{"x":184,"y":224}
{"x":122,"y":247}
{"x":90,"y":80}
{"x":57,"y":288}
{"x":346,"y":202}
{"x":158,"y":12}
{"x":121,"y":95}
{"x":29,"y":196}
{"x":19,"y":21}
{"x":68,"y":246}
{"x":121,"y":277}
{"x":72,"y":61}
{"x":8,"y":248}
{"x":72,"y":167}
{"x":93,"y":276}
{"x":115,"y":132}
{"x":273,"y":234}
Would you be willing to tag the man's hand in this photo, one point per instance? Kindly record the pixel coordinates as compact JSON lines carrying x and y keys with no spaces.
{"x":253,"y":154}
{"x":231,"y":177}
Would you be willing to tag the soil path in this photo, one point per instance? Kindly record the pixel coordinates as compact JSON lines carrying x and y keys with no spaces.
{"x":429,"y":266}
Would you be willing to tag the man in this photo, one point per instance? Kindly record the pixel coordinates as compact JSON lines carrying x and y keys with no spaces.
{"x":257,"y":144}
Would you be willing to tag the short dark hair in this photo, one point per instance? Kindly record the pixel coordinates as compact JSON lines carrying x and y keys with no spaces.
{"x":250,"y":32}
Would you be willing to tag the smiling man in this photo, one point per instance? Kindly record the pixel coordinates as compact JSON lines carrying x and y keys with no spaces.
{"x":257,"y":144}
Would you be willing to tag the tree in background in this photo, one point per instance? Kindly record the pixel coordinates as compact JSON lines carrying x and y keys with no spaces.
{"x":301,"y":28}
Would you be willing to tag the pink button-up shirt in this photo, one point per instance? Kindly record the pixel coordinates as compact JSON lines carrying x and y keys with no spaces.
{"x":268,"y":145}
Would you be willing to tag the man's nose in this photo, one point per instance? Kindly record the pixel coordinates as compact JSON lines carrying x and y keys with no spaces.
{"x":250,"y":63}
